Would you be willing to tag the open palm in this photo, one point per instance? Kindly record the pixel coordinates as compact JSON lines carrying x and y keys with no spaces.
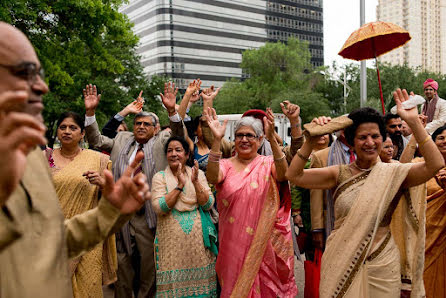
{"x":91,"y":97}
{"x":218,"y":129}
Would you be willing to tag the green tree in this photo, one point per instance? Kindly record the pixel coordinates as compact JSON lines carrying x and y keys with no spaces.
{"x":275,"y":72}
{"x":80,"y":42}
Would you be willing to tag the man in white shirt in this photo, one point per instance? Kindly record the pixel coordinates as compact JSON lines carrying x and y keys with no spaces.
{"x":434,"y":108}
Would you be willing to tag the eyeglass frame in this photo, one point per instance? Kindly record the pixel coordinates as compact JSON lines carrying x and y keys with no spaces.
{"x":249,"y":136}
{"x":29,"y":75}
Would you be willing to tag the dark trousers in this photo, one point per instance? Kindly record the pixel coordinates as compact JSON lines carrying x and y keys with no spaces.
{"x":136,"y":272}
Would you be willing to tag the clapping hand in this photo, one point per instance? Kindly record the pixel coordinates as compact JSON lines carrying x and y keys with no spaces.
{"x":180,"y":176}
{"x":195,"y":170}
{"x":19,"y":134}
{"x":169,"y":98}
{"x":130,"y":192}
{"x":91,"y":99}
{"x":218,"y":130}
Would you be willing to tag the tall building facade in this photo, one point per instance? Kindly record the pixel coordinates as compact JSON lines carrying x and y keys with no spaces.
{"x":426,"y":22}
{"x":188,"y":39}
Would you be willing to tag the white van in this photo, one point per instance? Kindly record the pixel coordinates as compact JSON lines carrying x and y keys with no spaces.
{"x":281,"y":125}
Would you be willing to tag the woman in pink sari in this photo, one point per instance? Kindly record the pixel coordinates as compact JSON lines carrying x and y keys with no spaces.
{"x":256,"y":251}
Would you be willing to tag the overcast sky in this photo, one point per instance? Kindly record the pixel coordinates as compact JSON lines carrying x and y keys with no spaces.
{"x":341,"y":18}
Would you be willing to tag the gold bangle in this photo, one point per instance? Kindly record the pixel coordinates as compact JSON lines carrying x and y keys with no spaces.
{"x":280,"y":158}
{"x":302,"y":157}
{"x":424,"y":141}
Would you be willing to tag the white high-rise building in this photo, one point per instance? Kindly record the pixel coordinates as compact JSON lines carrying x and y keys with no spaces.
{"x":189,"y":39}
{"x":426,"y":22}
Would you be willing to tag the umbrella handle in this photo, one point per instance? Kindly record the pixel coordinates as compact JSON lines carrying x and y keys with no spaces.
{"x":380,"y":87}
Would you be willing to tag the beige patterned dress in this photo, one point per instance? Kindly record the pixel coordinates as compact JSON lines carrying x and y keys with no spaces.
{"x":185,"y":267}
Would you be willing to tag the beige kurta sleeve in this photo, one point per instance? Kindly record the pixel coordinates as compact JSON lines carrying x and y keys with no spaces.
{"x":158,"y":191}
{"x":96,"y":140}
{"x":316,"y":200}
{"x":86,"y":230}
{"x":204,"y":183}
{"x":9,"y":231}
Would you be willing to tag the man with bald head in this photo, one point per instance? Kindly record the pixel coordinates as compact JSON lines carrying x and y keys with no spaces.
{"x":434,"y":108}
{"x":35,"y":240}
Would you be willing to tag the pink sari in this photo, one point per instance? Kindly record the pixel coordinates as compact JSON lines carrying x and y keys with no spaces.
{"x":255,"y":257}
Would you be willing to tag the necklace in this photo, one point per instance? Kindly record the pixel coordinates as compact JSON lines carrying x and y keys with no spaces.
{"x":361,"y":169}
{"x":70,"y":157}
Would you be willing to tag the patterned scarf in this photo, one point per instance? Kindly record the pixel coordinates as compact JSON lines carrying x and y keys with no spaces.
{"x":429,"y":108}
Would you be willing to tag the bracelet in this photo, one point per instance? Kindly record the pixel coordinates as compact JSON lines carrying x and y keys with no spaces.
{"x":424,"y":141}
{"x":280,"y":158}
{"x":302,"y":157}
{"x":214,"y":156}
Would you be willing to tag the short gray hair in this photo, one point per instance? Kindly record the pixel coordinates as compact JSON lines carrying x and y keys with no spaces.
{"x":147,"y":114}
{"x":252,"y":122}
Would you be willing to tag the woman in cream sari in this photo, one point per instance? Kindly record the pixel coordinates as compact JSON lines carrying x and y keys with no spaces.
{"x":77,"y":179}
{"x":362,"y":258}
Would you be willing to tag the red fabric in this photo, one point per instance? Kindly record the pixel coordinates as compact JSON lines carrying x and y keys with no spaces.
{"x":313,"y":275}
{"x":352,"y":155}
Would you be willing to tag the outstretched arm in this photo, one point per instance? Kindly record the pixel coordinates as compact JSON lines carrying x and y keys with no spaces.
{"x":280,"y":164}
{"x":191,"y":95}
{"x":433,"y":160}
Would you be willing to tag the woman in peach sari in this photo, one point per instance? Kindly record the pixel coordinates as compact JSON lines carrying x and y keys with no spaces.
{"x":256,"y":252}
{"x":435,"y":253}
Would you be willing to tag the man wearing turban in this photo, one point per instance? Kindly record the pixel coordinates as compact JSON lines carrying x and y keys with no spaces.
{"x":434,"y":108}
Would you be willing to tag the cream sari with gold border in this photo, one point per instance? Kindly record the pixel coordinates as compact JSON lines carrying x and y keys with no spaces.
{"x":361,"y":205}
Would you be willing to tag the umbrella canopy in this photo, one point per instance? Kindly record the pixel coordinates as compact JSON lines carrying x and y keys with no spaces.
{"x":374,"y":39}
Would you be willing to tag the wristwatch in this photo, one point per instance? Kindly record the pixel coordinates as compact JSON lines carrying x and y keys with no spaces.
{"x":180,"y":189}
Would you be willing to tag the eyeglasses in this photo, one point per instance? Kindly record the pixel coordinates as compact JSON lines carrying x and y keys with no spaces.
{"x":142,"y":123}
{"x":27,"y":71}
{"x":249,"y":136}
{"x":395,"y":125}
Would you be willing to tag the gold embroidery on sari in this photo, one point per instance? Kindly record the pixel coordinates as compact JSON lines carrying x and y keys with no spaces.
{"x":231,"y":219}
{"x":254,"y":257}
{"x":283,"y":248}
{"x":380,"y":248}
{"x":349,"y":183}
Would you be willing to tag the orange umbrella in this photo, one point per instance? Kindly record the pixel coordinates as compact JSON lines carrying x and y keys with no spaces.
{"x":372,"y":40}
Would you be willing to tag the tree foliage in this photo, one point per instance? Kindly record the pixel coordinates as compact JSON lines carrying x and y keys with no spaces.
{"x":80,"y":42}
{"x":276,"y":72}
{"x":392,"y":77}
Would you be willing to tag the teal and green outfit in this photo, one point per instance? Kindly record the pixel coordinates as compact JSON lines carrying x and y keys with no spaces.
{"x":185,"y":242}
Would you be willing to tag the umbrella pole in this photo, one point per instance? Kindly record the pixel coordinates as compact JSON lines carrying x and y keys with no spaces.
{"x":380,"y":87}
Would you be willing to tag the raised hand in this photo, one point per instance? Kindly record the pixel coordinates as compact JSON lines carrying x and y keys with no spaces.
{"x":94,"y":178}
{"x":268,"y":126}
{"x":410,"y":115}
{"x":129,"y":193}
{"x":134,"y":107}
{"x":195,"y":169}
{"x":193,"y":88}
{"x":169,"y":97}
{"x":209,"y":94}
{"x":180,"y":176}
{"x":140,"y":99}
{"x":322,"y":120}
{"x":91,"y":99}
{"x":291,"y":111}
{"x":19,"y":134}
{"x":218,"y":130}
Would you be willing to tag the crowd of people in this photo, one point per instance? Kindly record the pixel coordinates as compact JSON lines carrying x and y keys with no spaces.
{"x":181,"y":211}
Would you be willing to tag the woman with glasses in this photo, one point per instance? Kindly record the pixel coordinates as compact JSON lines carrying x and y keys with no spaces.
{"x":77,"y":175}
{"x":256,"y":251}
